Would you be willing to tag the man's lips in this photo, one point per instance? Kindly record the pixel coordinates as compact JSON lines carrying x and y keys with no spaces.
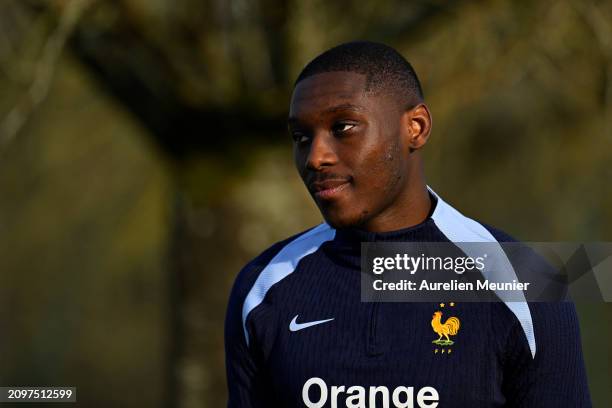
{"x":329,"y":189}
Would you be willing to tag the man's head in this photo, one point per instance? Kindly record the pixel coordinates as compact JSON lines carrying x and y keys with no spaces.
{"x":358,"y":119}
{"x":385,"y":70}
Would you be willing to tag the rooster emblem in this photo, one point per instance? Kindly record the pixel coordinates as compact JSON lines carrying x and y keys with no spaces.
{"x":450,"y":327}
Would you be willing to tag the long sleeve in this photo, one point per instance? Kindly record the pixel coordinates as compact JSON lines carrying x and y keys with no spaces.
{"x":243,"y":362}
{"x":556,"y":376}
{"x":241,"y":366}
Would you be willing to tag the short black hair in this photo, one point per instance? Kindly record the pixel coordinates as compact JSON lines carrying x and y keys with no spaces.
{"x":384,"y":68}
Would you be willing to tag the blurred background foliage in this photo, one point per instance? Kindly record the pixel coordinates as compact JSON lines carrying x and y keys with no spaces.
{"x":144,"y":159}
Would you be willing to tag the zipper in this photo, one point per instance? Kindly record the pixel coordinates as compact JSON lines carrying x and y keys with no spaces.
{"x":373,"y":346}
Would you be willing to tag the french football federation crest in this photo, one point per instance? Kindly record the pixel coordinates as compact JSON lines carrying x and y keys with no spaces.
{"x":450,"y":327}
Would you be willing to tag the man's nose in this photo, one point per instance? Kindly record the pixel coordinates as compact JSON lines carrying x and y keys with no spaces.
{"x":322,"y":152}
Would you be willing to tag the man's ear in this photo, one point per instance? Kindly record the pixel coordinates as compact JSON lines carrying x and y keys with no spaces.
{"x":417,"y":126}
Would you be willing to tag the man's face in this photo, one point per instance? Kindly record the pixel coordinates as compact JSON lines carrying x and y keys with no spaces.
{"x":348,"y":148}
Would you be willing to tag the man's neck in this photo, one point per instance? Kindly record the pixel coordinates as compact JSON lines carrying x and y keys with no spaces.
{"x":414,"y":209}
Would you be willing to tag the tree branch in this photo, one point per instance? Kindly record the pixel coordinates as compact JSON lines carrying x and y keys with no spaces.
{"x":45,"y":70}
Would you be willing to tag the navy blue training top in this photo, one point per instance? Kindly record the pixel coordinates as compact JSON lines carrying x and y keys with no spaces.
{"x":298,"y":335}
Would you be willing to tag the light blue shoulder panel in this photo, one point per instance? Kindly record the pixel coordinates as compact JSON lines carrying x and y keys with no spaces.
{"x":460,"y":229}
{"x":282,"y":265}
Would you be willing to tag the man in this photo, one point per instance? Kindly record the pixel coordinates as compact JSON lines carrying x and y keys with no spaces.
{"x":297,"y":333}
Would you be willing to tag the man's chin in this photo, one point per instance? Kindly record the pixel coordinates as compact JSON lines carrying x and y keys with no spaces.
{"x":339,"y":221}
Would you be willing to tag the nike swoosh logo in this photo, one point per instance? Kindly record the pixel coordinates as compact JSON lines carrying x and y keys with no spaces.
{"x":295,"y":326}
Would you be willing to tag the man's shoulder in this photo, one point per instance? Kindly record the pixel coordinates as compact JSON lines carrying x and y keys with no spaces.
{"x":498,"y":234}
{"x":527,"y":262}
{"x":249,"y":273}
{"x":266,"y":255}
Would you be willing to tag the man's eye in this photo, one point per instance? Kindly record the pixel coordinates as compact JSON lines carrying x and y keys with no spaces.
{"x":342,"y":127}
{"x":299,"y":137}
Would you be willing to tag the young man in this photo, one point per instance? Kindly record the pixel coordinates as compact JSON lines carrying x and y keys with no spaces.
{"x":297,"y":332}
